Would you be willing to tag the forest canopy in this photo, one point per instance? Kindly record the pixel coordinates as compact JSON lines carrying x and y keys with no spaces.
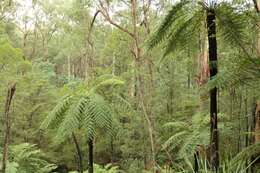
{"x":130,"y":86}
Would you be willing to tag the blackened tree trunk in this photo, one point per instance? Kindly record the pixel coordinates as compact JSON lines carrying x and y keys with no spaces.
{"x":211,"y":26}
{"x":7,"y":132}
{"x":90,"y":156}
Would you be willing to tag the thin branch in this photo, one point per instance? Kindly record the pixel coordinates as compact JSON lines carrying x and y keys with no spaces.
{"x":93,"y":20}
{"x":106,"y":15}
{"x":91,"y":27}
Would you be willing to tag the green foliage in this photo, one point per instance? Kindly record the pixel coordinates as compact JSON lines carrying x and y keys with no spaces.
{"x":232,"y":24}
{"x":82,"y":109}
{"x":26,"y":158}
{"x":188,"y":136}
{"x":166,"y":26}
{"x":109,"y":168}
{"x":177,"y":27}
{"x":70,"y":81}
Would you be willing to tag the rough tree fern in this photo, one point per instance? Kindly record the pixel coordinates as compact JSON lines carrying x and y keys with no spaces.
{"x":85,"y":109}
{"x":181,"y":27}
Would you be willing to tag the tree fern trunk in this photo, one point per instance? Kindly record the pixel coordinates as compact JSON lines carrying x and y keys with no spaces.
{"x":90,"y":156}
{"x":211,"y":25}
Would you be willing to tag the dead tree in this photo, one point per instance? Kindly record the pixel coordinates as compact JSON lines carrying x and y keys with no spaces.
{"x":7,"y":121}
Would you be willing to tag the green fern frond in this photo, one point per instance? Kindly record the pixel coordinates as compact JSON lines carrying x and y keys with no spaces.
{"x":72,"y":118}
{"x":232,"y":26}
{"x":121,"y":104}
{"x":176,"y":125}
{"x":175,"y":140}
{"x":90,"y":128}
{"x":240,"y":70}
{"x":200,"y":120}
{"x":183,"y":30}
{"x":89,"y":112}
{"x":100,"y":111}
{"x":165,"y":27}
{"x":26,"y":157}
{"x":246,"y":153}
{"x":105,"y":81}
{"x":83,"y":109}
{"x":57,"y":114}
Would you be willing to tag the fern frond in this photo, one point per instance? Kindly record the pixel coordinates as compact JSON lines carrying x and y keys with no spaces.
{"x":183,"y":30}
{"x":104,"y":81}
{"x":175,"y":140}
{"x":57,"y":114}
{"x":240,"y":70}
{"x":164,"y":28}
{"x":189,"y":146}
{"x":200,"y":120}
{"x":246,"y":153}
{"x":232,"y":26}
{"x":90,"y":127}
{"x":99,"y":110}
{"x":88,"y":111}
{"x":72,"y":119}
{"x":109,"y":82}
{"x":176,"y":125}
{"x":27,"y":158}
{"x":120,"y":103}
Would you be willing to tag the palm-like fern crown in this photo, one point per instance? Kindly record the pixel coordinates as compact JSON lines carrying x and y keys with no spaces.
{"x":183,"y":24}
{"x":186,"y":18}
{"x":86,"y":109}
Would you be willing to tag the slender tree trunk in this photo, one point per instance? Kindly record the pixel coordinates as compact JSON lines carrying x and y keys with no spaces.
{"x":252,"y":129}
{"x":214,"y":141}
{"x":86,"y":56}
{"x":196,"y":162}
{"x":138,"y":59}
{"x":90,"y":156}
{"x":239,"y":123}
{"x":140,"y":79}
{"x":247,"y":121}
{"x":114,"y":65}
{"x":112,"y":150}
{"x":247,"y":126}
{"x":79,"y":153}
{"x":34,"y":35}
{"x":69,"y":70}
{"x":7,"y":132}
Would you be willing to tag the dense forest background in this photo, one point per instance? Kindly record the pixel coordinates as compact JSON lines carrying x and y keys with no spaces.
{"x":125,"y":84}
